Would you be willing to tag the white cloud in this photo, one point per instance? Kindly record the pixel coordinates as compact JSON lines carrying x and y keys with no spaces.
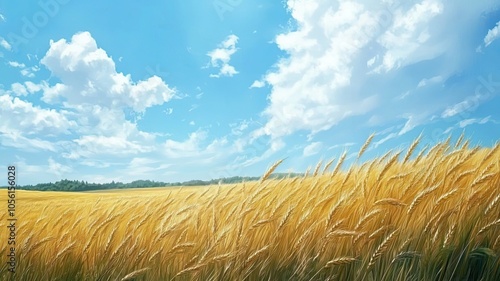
{"x":2,"y":18}
{"x":467,"y":122}
{"x":403,"y":40}
{"x":220,"y":57}
{"x":306,"y":88}
{"x":30,"y":144}
{"x":257,"y":84}
{"x":462,"y":106}
{"x":33,"y":88}
{"x":322,"y":80}
{"x":17,"y":64}
{"x":19,"y":89}
{"x":195,"y":146}
{"x":88,"y":74}
{"x":371,"y":61}
{"x":312,"y":149}
{"x":58,"y":169}
{"x":345,"y":145}
{"x":5,"y":44}
{"x":386,"y":138}
{"x":410,"y":124}
{"x":492,"y":35}
{"x":146,"y":167}
{"x":19,"y":116}
{"x":425,"y":82}
{"x":92,"y":97}
{"x":25,"y":71}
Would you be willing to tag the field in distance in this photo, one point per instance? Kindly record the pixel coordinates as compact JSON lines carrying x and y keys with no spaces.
{"x":431,"y":216}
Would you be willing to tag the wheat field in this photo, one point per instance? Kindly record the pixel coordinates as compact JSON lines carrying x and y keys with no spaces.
{"x":431,"y":216}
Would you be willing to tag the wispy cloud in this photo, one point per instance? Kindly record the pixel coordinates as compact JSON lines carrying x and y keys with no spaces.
{"x":425,"y":82}
{"x":493,"y":34}
{"x":5,"y":44}
{"x":471,"y":121}
{"x":312,"y":149}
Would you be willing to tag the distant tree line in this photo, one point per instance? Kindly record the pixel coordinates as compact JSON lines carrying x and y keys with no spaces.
{"x":75,"y":185}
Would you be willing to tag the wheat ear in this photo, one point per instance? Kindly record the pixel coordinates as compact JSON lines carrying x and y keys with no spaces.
{"x":134,"y":274}
{"x":412,"y":148}
{"x":340,"y":261}
{"x":271,"y":170}
{"x":365,"y":145}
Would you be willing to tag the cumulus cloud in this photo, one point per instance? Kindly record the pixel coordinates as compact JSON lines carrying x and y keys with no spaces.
{"x":92,"y":98}
{"x":19,"y":89}
{"x":338,"y":49}
{"x":220,"y":57}
{"x":257,"y":84}
{"x":88,"y":74}
{"x":493,"y":34}
{"x":409,"y":30}
{"x":19,"y":116}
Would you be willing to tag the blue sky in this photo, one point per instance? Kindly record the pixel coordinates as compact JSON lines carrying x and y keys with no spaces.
{"x":181,"y":90}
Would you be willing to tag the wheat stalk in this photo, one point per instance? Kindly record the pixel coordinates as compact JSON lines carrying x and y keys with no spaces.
{"x":341,"y":233}
{"x":366,"y":217}
{"x":378,"y":231}
{"x":420,"y":196}
{"x":459,"y":141}
{"x":155,"y":254}
{"x":221,"y":257}
{"x":256,"y":254}
{"x":412,"y":148}
{"x":339,"y":163}
{"x":134,"y":274}
{"x":445,"y":197}
{"x":482,"y":179}
{"x":63,"y":251}
{"x":406,"y":255}
{"x":340,"y":261}
{"x":448,"y":236}
{"x":488,"y":226}
{"x":389,"y":201}
{"x":365,"y":145}
{"x":261,"y":222}
{"x":285,"y":218}
{"x":271,"y":170}
{"x":381,"y":249}
{"x":464,"y":174}
{"x":389,"y":164}
{"x":328,"y":165}
{"x":318,"y":166}
{"x":492,"y":204}
{"x":38,"y":244}
{"x":181,"y":247}
{"x":190,"y":269}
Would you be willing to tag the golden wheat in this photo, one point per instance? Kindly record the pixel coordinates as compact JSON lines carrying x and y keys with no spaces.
{"x":350,"y":224}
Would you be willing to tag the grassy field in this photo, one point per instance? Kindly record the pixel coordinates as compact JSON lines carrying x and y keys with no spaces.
{"x":432,"y":216}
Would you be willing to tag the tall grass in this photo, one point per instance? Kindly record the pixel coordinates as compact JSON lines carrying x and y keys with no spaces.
{"x":432,"y":217}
